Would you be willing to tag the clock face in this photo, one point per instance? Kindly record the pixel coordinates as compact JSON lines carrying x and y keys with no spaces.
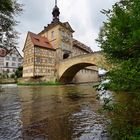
{"x":66,"y":46}
{"x":65,"y":39}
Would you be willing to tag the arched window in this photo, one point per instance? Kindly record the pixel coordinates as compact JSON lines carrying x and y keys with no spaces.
{"x":65,"y":55}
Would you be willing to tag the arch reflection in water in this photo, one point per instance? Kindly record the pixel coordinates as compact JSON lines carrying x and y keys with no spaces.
{"x":57,"y":113}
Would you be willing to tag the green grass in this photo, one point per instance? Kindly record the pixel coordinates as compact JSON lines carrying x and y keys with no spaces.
{"x":39,"y":84}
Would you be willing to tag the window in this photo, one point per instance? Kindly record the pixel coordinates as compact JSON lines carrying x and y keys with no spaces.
{"x":13,"y":64}
{"x":63,"y":33}
{"x":7,"y":64}
{"x":19,"y":59}
{"x":37,"y":39}
{"x":14,"y":58}
{"x":37,"y":50}
{"x":49,"y":70}
{"x":65,"y":55}
{"x":52,"y":34}
{"x":49,"y":60}
{"x":7,"y":58}
{"x":38,"y":60}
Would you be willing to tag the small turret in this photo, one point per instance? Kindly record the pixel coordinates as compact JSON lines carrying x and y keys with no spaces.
{"x":55,"y":13}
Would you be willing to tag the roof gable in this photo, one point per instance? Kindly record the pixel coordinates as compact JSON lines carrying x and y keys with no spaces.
{"x":15,"y":51}
{"x":67,"y":25}
{"x":27,"y":39}
{"x":50,"y":26}
{"x":39,"y":41}
{"x":4,"y":52}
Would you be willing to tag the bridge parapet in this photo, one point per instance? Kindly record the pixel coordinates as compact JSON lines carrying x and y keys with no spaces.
{"x":69,"y":67}
{"x":94,"y":59}
{"x":81,"y":56}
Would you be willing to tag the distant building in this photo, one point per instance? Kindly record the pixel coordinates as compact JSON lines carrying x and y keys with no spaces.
{"x":10,"y":62}
{"x":44,"y":51}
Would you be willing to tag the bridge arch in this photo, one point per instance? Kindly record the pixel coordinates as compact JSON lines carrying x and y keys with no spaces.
{"x":71,"y":71}
{"x":69,"y":67}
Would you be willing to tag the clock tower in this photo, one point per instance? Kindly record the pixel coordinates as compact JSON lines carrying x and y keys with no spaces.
{"x":60,"y":35}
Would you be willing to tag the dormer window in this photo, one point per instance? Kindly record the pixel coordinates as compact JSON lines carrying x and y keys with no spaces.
{"x":46,"y":42}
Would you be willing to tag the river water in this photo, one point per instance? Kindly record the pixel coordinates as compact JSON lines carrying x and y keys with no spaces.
{"x":51,"y":113}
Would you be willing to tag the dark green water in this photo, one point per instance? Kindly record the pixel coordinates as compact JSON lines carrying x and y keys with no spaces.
{"x":51,"y":113}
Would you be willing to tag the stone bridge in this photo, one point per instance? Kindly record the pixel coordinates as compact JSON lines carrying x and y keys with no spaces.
{"x":68,"y":68}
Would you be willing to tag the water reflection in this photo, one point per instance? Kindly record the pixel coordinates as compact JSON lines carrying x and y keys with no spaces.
{"x":61,"y":113}
{"x":50,"y":113}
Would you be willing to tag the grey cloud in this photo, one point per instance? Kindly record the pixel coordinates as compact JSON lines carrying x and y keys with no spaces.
{"x":95,"y":7}
{"x":37,"y":14}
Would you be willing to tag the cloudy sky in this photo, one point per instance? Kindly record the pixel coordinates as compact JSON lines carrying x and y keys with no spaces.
{"x":83,"y":15}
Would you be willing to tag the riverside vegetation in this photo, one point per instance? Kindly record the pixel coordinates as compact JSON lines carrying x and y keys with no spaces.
{"x":119,"y":39}
{"x":40,"y":84}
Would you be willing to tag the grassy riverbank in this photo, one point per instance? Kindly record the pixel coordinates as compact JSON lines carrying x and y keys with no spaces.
{"x":8,"y":81}
{"x":39,"y":83}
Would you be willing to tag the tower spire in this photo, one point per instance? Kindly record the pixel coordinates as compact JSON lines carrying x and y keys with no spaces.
{"x":55,"y":13}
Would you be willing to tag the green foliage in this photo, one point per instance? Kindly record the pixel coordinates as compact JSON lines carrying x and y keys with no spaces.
{"x":120,"y":40}
{"x":126,"y":76}
{"x":18,"y":72}
{"x":124,"y":115}
{"x":12,"y":75}
{"x":4,"y":75}
{"x":8,"y":10}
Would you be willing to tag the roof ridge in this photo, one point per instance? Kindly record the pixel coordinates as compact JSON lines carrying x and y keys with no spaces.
{"x":82,"y":45}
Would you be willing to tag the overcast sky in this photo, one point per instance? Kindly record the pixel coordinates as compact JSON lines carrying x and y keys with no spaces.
{"x":84,"y":17}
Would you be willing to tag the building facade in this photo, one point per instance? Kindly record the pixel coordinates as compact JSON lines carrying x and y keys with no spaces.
{"x":10,"y":62}
{"x":44,"y":51}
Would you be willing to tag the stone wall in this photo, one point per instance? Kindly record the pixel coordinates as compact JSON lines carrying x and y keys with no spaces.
{"x":36,"y":79}
{"x":85,"y":76}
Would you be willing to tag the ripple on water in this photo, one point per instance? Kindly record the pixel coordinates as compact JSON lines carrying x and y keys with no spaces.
{"x":10,"y":108}
{"x":88,"y":125}
{"x":49,"y":115}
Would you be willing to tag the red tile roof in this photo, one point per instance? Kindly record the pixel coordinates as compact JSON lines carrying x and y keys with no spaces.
{"x":40,"y":41}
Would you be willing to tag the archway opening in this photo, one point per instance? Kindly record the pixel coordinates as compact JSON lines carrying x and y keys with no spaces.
{"x":69,"y":73}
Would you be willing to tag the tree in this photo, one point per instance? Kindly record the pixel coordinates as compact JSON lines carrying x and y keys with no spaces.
{"x":8,"y":35}
{"x":18,"y":72}
{"x":119,"y":39}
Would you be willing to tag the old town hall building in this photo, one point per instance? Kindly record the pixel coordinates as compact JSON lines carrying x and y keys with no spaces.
{"x":43,"y":51}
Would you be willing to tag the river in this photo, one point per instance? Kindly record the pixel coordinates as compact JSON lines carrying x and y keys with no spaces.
{"x":51,"y":113}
